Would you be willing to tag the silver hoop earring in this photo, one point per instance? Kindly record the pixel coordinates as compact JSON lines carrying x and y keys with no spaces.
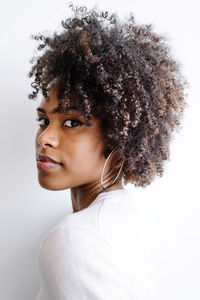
{"x":104,"y":168}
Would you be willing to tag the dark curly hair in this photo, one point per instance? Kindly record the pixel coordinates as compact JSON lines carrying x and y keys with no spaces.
{"x":122,"y":73}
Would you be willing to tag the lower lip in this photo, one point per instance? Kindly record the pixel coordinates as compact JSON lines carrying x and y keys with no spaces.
{"x":46,"y":165}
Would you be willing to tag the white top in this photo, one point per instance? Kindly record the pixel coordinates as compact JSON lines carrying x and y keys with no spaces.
{"x":89,"y":254}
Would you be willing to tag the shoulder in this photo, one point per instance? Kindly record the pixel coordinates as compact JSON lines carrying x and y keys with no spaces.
{"x":79,"y":251}
{"x":105,"y":220}
{"x":72,"y":234}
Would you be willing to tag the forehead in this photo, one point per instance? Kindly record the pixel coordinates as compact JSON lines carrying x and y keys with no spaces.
{"x":53,"y":100}
{"x":52,"y":103}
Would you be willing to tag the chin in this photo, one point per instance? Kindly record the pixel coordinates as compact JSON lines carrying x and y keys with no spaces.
{"x":50,"y":186}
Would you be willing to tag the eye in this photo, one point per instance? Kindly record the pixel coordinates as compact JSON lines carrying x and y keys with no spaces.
{"x":41,"y":119}
{"x":73,"y":121}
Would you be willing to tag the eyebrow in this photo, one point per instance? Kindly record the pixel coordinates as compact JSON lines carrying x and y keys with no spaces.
{"x":54,"y":111}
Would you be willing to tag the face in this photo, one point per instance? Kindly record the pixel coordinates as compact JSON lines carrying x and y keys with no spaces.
{"x":66,"y":139}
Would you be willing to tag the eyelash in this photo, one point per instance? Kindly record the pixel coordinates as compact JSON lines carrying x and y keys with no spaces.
{"x":79,"y":122}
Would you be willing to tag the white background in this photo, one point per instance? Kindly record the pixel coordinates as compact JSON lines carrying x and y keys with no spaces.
{"x":168,"y":209}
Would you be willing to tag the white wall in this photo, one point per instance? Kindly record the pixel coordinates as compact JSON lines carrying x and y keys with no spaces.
{"x":168,"y":210}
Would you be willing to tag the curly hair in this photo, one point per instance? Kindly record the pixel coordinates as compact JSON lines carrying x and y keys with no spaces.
{"x":122,"y":73}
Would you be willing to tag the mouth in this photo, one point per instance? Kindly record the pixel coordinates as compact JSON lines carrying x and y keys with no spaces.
{"x":46,"y":165}
{"x":45,"y":162}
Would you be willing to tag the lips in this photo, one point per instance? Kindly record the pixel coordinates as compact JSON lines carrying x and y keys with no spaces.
{"x":45,"y":163}
{"x":46,"y":159}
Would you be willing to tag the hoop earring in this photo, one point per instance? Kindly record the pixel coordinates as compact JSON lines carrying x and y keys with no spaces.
{"x":104,"y":168}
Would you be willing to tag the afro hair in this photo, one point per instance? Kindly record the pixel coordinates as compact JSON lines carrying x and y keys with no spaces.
{"x":122,"y":73}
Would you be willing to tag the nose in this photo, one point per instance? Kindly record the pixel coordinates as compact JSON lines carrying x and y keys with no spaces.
{"x":48,"y":138}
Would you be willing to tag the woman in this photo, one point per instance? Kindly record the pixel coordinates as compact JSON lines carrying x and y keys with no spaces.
{"x":113,"y":95}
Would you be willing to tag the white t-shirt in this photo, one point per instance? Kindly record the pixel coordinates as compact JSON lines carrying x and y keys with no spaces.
{"x":89,"y":254}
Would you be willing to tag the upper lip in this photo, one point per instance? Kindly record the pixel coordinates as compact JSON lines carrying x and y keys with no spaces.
{"x":47,"y":158}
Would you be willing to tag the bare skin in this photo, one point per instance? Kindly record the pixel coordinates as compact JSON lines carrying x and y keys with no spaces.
{"x":80,"y":150}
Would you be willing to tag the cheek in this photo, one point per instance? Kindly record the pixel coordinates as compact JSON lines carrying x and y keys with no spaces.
{"x":89,"y":154}
{"x":82,"y":153}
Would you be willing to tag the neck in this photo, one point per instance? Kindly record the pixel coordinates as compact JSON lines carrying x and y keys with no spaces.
{"x":83,"y":196}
